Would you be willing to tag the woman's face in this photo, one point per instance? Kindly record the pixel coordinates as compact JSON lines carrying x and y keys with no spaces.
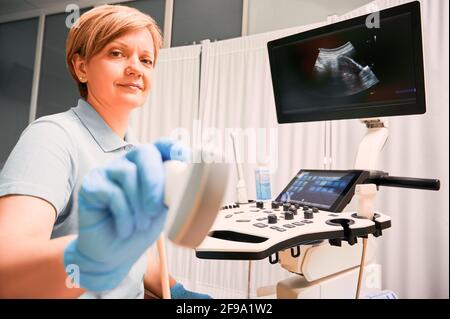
{"x":121,"y":73}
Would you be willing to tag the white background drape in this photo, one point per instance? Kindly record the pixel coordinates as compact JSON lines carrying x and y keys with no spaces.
{"x":173,"y":101}
{"x":229,"y":87}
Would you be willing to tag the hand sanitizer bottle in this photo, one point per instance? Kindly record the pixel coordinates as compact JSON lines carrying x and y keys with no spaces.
{"x":262,"y":181}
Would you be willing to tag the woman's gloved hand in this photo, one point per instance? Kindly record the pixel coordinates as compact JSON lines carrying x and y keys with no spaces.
{"x":179,"y":292}
{"x":173,"y":150}
{"x":121,"y":213}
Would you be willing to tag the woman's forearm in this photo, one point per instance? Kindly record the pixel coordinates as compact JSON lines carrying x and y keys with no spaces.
{"x":32,"y":268}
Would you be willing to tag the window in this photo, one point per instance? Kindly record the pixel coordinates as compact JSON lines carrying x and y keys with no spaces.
{"x":196,"y":20}
{"x":154,"y":8}
{"x":58,"y":92}
{"x":18,"y":41}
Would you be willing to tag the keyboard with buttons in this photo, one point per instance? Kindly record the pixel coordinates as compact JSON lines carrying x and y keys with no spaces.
{"x":259,"y":229}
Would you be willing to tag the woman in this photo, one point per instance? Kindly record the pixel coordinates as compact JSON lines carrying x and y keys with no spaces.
{"x":76,"y":196}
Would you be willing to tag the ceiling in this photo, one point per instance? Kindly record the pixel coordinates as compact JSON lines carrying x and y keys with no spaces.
{"x":12,"y":7}
{"x":15,"y":6}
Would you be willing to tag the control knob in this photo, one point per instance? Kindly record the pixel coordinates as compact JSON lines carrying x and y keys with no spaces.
{"x":272,"y":219}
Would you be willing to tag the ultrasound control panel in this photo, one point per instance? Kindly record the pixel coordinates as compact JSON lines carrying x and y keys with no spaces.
{"x":309,"y":209}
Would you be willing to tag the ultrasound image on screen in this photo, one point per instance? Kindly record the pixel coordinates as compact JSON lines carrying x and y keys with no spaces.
{"x":317,"y":189}
{"x":353,"y":66}
{"x":336,"y":73}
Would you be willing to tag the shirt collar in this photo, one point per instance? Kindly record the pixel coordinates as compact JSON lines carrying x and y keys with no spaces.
{"x":100,"y":131}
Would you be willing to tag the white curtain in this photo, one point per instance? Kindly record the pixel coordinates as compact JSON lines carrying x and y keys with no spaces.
{"x":414,"y":252}
{"x":173,"y":101}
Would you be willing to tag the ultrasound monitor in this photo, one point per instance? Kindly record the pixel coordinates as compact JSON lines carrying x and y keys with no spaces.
{"x":329,"y":190}
{"x":351,"y":69}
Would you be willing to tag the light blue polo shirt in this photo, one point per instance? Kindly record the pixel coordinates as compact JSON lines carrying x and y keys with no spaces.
{"x":49,"y":161}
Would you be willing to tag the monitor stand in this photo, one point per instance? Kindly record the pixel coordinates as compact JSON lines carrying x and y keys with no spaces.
{"x":325,"y":271}
{"x":372,"y":144}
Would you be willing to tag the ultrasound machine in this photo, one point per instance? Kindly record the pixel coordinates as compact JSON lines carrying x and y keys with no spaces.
{"x":345,"y":70}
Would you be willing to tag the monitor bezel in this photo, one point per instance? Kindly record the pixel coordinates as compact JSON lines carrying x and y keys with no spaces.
{"x":343,"y":199}
{"x":366,"y":111}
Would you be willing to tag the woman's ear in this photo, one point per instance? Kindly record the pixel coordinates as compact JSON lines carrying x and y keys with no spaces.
{"x":79,"y":65}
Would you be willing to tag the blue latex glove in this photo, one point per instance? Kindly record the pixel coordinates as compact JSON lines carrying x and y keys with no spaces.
{"x":179,"y":292}
{"x":385,"y":294}
{"x":172,"y":149}
{"x":121,"y":213}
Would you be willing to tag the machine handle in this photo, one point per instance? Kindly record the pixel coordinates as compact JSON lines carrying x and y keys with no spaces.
{"x":406,"y":182}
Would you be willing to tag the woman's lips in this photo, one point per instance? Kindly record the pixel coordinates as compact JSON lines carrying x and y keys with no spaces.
{"x":131,"y":86}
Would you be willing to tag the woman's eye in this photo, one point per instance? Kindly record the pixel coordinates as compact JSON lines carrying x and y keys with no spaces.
{"x":116,"y":54}
{"x":147,"y":61}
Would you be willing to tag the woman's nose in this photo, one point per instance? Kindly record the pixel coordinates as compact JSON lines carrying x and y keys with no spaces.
{"x":134,"y":67}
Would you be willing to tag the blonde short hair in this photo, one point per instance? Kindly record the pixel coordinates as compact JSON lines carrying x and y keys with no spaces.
{"x":101,"y":25}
